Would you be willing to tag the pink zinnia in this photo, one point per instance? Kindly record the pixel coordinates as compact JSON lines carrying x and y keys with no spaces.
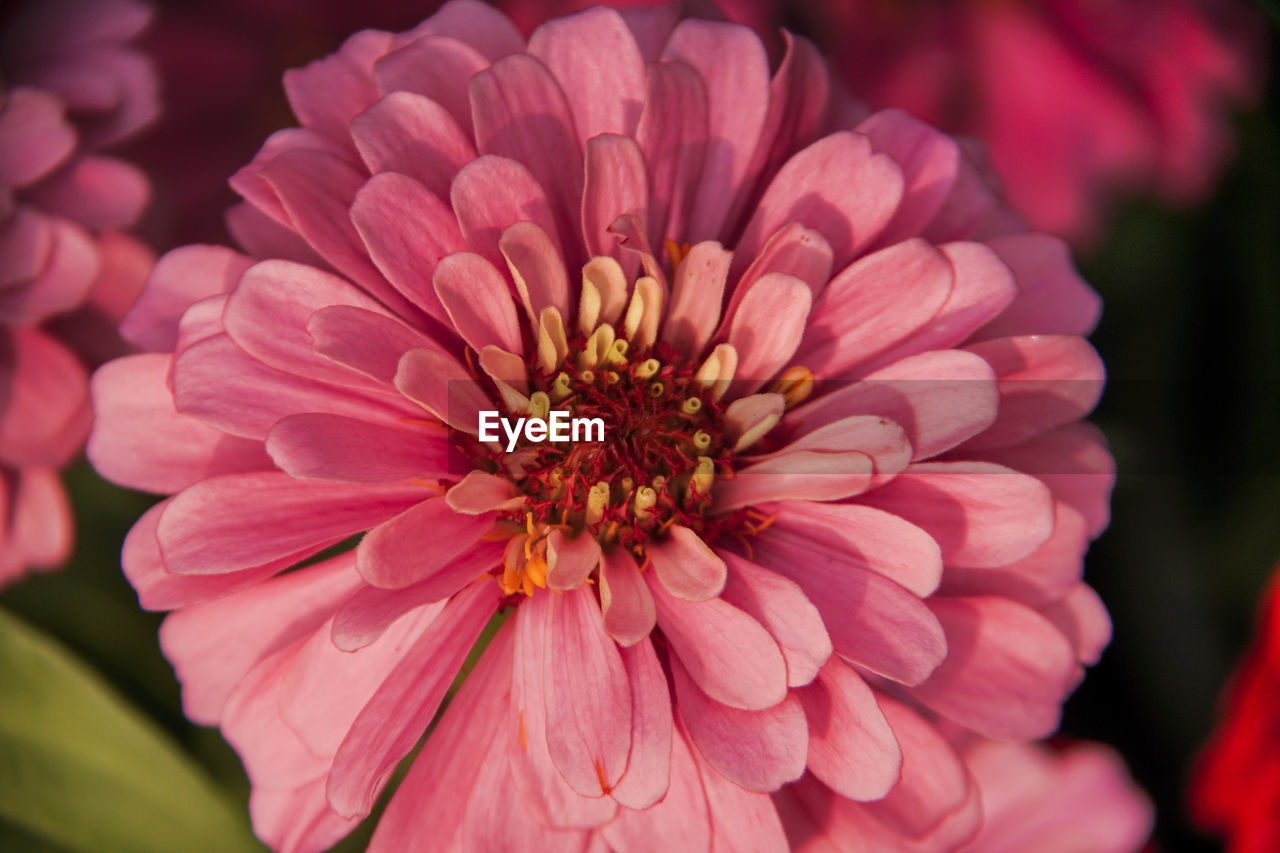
{"x":844,"y":489}
{"x":71,"y":85}
{"x":1079,"y":101}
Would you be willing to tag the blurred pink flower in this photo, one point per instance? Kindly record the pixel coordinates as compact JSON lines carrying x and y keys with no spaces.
{"x":1026,"y":797}
{"x":831,"y":363}
{"x":1080,"y":101}
{"x":71,"y":85}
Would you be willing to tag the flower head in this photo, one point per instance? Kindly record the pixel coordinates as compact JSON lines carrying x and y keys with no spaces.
{"x":843,"y":490}
{"x":71,"y":84}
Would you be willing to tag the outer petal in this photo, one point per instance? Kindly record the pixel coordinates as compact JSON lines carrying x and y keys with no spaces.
{"x":409,"y":548}
{"x":588,"y":696}
{"x":758,"y":750}
{"x":726,"y":652}
{"x":1007,"y":671}
{"x":851,"y":745}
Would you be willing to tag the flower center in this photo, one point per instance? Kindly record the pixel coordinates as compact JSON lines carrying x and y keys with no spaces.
{"x":663,"y":442}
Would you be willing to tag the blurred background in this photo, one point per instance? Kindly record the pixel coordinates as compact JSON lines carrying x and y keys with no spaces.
{"x":1190,"y":335}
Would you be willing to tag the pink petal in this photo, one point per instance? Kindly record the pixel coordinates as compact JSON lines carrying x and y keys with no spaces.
{"x":42,"y":529}
{"x":437,"y":67}
{"x":409,"y":548}
{"x":215,"y":381}
{"x":1074,"y":463}
{"x":742,"y":821}
{"x":534,"y":774}
{"x":673,"y":137}
{"x":852,"y":747}
{"x":350,"y":450}
{"x":160,"y":589}
{"x":478,"y":24}
{"x":492,"y":193}
{"x":1045,"y":381}
{"x":316,"y":190}
{"x":758,"y":750}
{"x":625,"y":600}
{"x":1052,"y":297}
{"x":328,"y":93}
{"x":406,"y":228}
{"x":874,"y":305}
{"x":879,"y":438}
{"x":767,"y":327}
{"x":748,"y":419}
{"x":735,"y":75}
{"x":273,"y":754}
{"x":213,"y":645}
{"x":537,"y":268}
{"x":44,"y":416}
{"x":321,"y":716}
{"x":405,"y":702}
{"x":858,"y":537}
{"x":1042,"y":576}
{"x":261,"y":236}
{"x":422,"y":807}
{"x":802,"y":475}
{"x":1008,"y":670}
{"x":139,"y":440}
{"x":368,"y":342}
{"x":1083,"y":618}
{"x":63,"y":282}
{"x":982,"y":515}
{"x":415,"y":136}
{"x":240,"y":521}
{"x":478,"y":300}
{"x":97,"y":192}
{"x":726,"y":652}
{"x":934,"y":782}
{"x":983,"y":286}
{"x":595,"y":58}
{"x":443,"y":387}
{"x":939,"y":398}
{"x":799,"y":112}
{"x":616,"y":184}
{"x":930,"y":161}
{"x":836,"y":186}
{"x":366,"y":615}
{"x":292,"y":819}
{"x":786,"y":613}
{"x":35,"y":136}
{"x":696,"y":298}
{"x":794,"y":250}
{"x":571,"y":561}
{"x":266,"y":315}
{"x":687,"y":568}
{"x":588,"y":695}
{"x":521,"y":112}
{"x":478,"y":493}
{"x":647,"y":779}
{"x":680,"y":821}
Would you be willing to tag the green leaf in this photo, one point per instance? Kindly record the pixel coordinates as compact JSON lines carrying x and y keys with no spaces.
{"x":82,"y":769}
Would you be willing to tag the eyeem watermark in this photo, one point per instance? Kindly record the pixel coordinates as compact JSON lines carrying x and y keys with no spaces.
{"x":558,"y":427}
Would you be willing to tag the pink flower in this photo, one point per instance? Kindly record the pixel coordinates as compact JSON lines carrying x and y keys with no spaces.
{"x":71,"y":85}
{"x":844,"y":489}
{"x":1079,"y":101}
{"x":1028,"y":797}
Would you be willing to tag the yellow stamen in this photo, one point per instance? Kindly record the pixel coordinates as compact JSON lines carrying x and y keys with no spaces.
{"x":648,"y":368}
{"x":691,"y":406}
{"x":796,"y":384}
{"x":703,"y":475}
